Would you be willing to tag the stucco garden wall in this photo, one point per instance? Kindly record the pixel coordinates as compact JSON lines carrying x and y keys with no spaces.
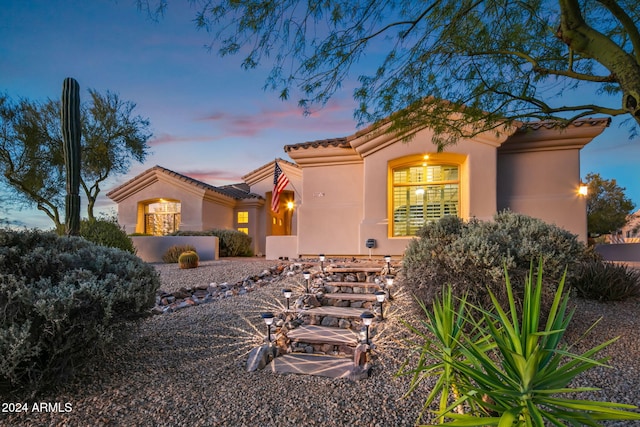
{"x":152,"y":248}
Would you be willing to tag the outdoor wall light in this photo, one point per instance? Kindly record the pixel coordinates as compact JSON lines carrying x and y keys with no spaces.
{"x":287,"y":294}
{"x":389,"y":280}
{"x":321,"y":256}
{"x":268,"y":320}
{"x":307,"y":277}
{"x":367,"y":318}
{"x":380,"y":296}
{"x":583,"y":190}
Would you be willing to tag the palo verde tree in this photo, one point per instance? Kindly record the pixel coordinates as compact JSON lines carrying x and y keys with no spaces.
{"x":608,"y":208}
{"x":497,"y":61}
{"x":31,"y":154}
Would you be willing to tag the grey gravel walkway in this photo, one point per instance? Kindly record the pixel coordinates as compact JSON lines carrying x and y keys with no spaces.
{"x":187,"y":369}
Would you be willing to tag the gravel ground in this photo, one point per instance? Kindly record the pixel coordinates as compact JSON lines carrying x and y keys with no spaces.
{"x":188,"y":368}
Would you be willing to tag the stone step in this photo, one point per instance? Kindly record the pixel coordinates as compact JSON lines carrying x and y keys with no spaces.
{"x":319,"y":365}
{"x":354,"y":269}
{"x":353,"y":285}
{"x":344,"y":296}
{"x":340,"y":312}
{"x":315,"y":334}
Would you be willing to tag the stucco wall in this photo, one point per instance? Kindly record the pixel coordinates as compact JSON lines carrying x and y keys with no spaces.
{"x":544,"y":184}
{"x":152,"y":248}
{"x":331,"y":210}
{"x":191,"y":206}
{"x":477,"y":162}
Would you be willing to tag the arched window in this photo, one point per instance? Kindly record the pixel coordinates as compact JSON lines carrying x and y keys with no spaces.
{"x":161,"y":217}
{"x":422,"y":192}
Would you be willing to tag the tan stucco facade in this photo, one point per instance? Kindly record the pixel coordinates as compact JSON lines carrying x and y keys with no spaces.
{"x":340,"y":191}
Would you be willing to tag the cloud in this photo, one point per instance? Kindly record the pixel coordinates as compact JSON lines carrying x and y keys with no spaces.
{"x":334,"y":117}
{"x":167,"y":138}
{"x":212,"y":176}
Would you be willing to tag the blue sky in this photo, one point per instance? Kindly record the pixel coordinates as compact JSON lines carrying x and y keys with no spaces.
{"x":211,"y":120}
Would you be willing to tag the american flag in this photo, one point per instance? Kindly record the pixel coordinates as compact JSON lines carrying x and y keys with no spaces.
{"x":280,"y":181}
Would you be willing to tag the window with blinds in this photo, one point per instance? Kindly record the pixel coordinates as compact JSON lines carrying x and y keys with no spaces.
{"x":423,"y":193}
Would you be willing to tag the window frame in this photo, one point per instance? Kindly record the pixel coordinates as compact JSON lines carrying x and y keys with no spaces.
{"x":418,"y":160}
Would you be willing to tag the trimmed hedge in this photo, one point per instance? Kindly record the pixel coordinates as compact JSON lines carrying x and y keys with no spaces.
{"x":63,"y":300}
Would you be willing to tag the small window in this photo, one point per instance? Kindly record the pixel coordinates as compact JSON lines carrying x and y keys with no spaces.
{"x":244,"y":230}
{"x":243,"y":217}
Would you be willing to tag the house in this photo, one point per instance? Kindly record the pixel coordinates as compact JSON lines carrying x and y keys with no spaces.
{"x":159,"y":201}
{"x":368,"y":194}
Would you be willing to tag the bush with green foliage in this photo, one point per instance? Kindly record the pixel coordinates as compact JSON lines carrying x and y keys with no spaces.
{"x":606,"y":281}
{"x":511,"y":369}
{"x":172,"y":255}
{"x":232,"y":243}
{"x":63,"y":300}
{"x":471,"y":255}
{"x":106,"y":232}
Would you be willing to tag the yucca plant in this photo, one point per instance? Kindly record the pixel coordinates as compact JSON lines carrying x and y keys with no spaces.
{"x":524,"y":378}
{"x":439,"y":346}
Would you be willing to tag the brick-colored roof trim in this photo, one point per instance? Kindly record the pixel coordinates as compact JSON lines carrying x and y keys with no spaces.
{"x":333,"y":142}
{"x":551,"y":124}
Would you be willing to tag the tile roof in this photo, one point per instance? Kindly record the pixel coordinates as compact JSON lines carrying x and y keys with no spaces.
{"x":551,"y":124}
{"x":334,"y":142}
{"x":234,"y":191}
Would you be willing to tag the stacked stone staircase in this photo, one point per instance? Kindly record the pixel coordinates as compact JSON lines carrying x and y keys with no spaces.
{"x":330,"y":341}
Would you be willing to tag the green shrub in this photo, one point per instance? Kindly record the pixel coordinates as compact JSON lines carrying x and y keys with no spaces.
{"x":470,"y":256}
{"x":605,"y":281}
{"x":232,"y":243}
{"x":172,"y":255}
{"x":106,"y":232}
{"x":510,"y":370}
{"x":63,"y":300}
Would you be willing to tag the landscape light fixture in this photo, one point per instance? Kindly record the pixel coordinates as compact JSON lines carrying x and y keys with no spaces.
{"x":321,"y":256}
{"x":367,"y":318}
{"x":387,"y":259}
{"x":287,"y":294}
{"x":307,"y":277}
{"x":268,"y":320}
{"x":389,"y":280}
{"x":380,"y":296}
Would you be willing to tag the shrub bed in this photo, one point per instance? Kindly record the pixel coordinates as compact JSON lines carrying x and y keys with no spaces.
{"x":62,"y":301}
{"x":471,"y":256}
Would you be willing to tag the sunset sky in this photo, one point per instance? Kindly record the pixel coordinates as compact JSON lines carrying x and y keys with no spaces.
{"x":211,"y":120}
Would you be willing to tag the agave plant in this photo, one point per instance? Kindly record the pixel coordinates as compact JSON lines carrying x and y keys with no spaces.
{"x":441,"y":346}
{"x":518,"y":371}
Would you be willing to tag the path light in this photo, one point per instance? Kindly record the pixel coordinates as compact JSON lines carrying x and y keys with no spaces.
{"x":268,"y":320}
{"x":387,"y":259}
{"x":389,"y":280}
{"x":321,"y":256}
{"x":287,"y":294}
{"x":367,"y":318}
{"x":306,"y":276}
{"x":380,"y":296}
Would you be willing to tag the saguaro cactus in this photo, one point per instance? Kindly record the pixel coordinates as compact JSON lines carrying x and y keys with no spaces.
{"x":71,"y":132}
